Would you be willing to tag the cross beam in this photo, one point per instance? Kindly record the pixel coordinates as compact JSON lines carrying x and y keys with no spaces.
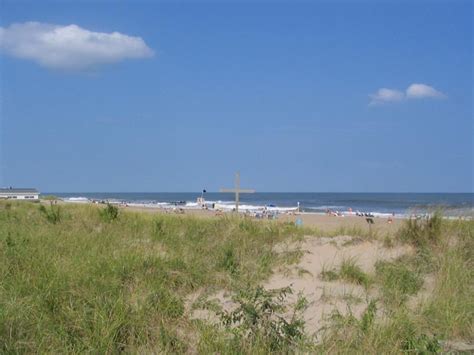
{"x":237,"y":190}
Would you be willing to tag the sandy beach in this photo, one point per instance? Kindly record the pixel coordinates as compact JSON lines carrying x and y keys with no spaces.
{"x":325,"y":223}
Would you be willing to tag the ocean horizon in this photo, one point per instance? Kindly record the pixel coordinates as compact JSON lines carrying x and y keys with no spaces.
{"x":451,"y":204}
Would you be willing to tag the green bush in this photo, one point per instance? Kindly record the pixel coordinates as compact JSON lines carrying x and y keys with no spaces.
{"x":258,"y":319}
{"x":109,"y":213}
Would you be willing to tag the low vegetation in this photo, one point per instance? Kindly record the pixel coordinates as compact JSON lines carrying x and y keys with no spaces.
{"x":443,"y":321}
{"x":397,"y":281}
{"x":109,"y":213}
{"x":52,"y":214}
{"x":258,"y":323}
{"x":86,"y":278}
{"x":348,"y":271}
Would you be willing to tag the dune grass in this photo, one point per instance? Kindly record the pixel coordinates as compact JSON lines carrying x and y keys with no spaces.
{"x":348,"y":271}
{"x":444,"y":250}
{"x":83,"y":278}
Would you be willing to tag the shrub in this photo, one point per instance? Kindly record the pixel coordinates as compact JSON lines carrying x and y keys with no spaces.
{"x":257,"y":319}
{"x":109,"y":213}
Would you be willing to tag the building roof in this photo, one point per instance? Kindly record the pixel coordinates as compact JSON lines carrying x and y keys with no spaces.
{"x":25,"y":190}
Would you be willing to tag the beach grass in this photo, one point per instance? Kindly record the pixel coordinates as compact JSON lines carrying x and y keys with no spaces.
{"x":349,"y":271}
{"x":441,"y":322}
{"x":81,"y":278}
{"x":87,"y":278}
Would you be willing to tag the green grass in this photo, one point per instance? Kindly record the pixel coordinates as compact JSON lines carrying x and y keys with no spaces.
{"x":450,"y":311}
{"x":348,"y":271}
{"x":422,"y":232}
{"x":84,"y":279}
{"x":444,"y":250}
{"x":397,"y":281}
{"x":351,"y":272}
{"x":329,"y":274}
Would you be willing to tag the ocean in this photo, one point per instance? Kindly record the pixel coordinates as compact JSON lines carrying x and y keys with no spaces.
{"x":401,"y":204}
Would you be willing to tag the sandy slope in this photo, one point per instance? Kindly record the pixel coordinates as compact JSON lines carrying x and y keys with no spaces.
{"x":304,"y":277}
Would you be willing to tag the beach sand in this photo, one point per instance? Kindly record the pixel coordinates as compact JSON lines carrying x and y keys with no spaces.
{"x":324,"y":223}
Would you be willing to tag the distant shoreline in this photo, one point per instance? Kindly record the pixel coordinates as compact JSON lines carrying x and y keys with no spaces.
{"x":384,"y":205}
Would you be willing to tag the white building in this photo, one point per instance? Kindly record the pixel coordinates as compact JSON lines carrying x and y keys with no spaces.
{"x":19,"y":194}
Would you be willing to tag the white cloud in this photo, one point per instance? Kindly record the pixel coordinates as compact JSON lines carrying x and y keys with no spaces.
{"x":69,"y":47}
{"x":414,"y":91}
{"x":386,"y":95}
{"x":419,"y":91}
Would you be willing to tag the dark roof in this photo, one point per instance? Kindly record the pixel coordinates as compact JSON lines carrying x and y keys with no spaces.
{"x":18,"y":190}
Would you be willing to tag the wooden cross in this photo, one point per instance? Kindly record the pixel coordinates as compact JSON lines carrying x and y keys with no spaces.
{"x":237,"y":190}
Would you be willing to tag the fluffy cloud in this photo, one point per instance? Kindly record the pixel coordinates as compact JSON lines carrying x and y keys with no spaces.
{"x":414,"y":91}
{"x":69,"y":47}
{"x":419,"y":91}
{"x":386,"y":95}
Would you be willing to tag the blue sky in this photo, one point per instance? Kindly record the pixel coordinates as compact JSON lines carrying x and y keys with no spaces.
{"x":290,"y":94}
